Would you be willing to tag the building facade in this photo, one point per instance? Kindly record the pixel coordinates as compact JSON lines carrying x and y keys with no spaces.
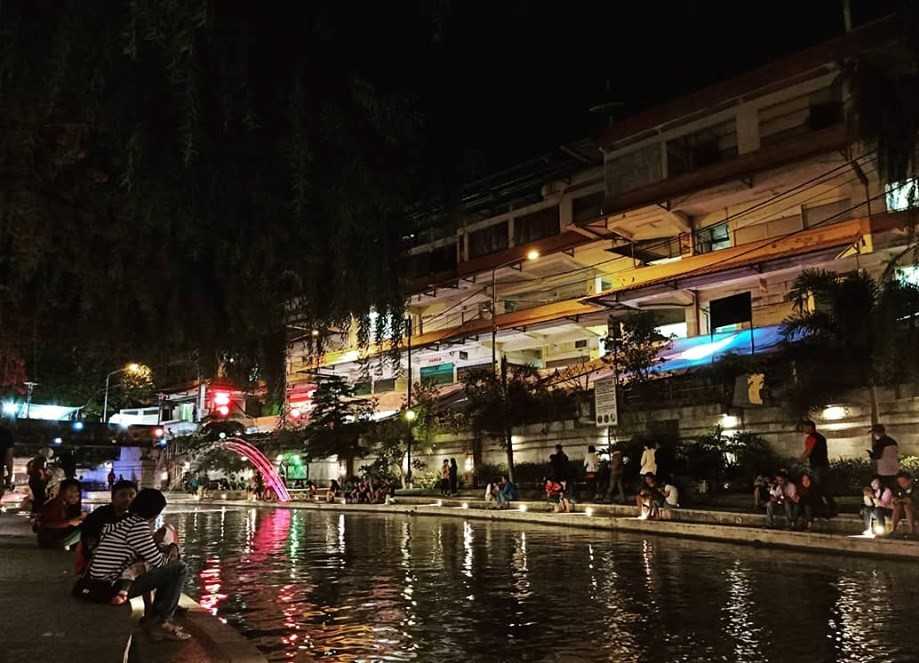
{"x":706,"y":206}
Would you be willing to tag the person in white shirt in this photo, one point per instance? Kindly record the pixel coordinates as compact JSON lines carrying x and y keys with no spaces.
{"x":591,"y":467}
{"x":649,"y":460}
{"x":671,"y":495}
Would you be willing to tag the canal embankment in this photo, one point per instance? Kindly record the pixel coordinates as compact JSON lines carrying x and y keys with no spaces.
{"x":838,"y":535}
{"x":42,"y":619}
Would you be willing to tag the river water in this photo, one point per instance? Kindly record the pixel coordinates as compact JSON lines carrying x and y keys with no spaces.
{"x":307,"y":585}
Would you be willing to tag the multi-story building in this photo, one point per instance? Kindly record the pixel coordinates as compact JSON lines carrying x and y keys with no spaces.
{"x":708,"y":205}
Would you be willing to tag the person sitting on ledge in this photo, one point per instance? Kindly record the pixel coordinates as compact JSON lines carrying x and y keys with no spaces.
{"x":123,"y":544}
{"x":123,"y":493}
{"x":507,"y":493}
{"x":334,"y":491}
{"x":903,"y":502}
{"x":58,"y":524}
{"x":650,"y":499}
{"x":671,"y":494}
{"x":782,"y":494}
{"x":811,"y":501}
{"x":760,"y":491}
{"x":878,"y":506}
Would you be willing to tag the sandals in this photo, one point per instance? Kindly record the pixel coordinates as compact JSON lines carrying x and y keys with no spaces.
{"x":120,"y":598}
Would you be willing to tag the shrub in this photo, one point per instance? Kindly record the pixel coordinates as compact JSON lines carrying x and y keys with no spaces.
{"x":910,"y":464}
{"x":487,"y":473}
{"x":748,"y":455}
{"x":849,"y":476}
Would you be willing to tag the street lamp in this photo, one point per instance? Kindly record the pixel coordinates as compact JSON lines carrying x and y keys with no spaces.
{"x":133,"y":368}
{"x":410,"y":414}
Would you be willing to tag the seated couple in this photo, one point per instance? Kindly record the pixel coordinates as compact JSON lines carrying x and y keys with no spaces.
{"x":130,"y":559}
{"x":655,"y":495}
{"x":501,"y":494}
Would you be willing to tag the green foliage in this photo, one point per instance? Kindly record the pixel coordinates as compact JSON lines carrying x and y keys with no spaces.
{"x":637,"y":351}
{"x":748,"y":455}
{"x":847,"y":332}
{"x":188,"y":176}
{"x":219,"y":460}
{"x":848,"y":476}
{"x":337,"y":421}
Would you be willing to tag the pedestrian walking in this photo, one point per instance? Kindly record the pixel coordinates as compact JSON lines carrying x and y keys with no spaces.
{"x":591,"y":468}
{"x":615,"y":477}
{"x":454,"y":477}
{"x":649,"y":459}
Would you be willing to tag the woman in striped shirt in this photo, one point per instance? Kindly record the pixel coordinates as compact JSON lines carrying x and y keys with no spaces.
{"x":131,"y":540}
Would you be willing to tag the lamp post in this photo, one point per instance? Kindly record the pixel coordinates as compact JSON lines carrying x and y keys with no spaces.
{"x":130,"y":368}
{"x":409,"y":412}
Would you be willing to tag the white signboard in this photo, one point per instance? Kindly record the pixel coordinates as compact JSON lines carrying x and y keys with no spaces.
{"x":605,"y":405}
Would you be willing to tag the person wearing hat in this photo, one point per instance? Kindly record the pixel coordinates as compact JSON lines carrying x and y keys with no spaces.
{"x":885,"y":453}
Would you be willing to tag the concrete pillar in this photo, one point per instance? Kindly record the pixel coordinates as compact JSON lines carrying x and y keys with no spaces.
{"x":747,"y":129}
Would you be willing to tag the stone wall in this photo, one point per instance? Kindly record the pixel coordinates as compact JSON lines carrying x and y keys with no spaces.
{"x":845,"y":426}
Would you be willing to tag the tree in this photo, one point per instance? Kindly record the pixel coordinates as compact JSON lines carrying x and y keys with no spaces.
{"x":847,"y":332}
{"x":337,"y":422}
{"x":187,"y":176}
{"x":636,"y":349}
{"x":499,"y":402}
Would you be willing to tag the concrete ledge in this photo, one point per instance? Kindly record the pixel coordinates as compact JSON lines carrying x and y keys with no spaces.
{"x":728,"y":533}
{"x":41,"y":618}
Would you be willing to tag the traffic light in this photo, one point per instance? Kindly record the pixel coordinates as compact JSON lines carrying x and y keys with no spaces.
{"x":221,"y":403}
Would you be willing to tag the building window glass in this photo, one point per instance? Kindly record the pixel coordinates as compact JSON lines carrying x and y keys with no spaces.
{"x":538,"y":225}
{"x":438,"y":374}
{"x":713,"y":238}
{"x":488,"y":240}
{"x":902,"y":195}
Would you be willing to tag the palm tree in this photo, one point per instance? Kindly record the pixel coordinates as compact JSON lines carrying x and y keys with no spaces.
{"x":848,"y":331}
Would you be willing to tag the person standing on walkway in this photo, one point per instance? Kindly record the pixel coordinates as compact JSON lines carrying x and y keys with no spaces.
{"x":445,"y":478}
{"x":885,"y":453}
{"x":591,"y":468}
{"x":454,"y":477}
{"x":815,"y":453}
{"x":615,"y":477}
{"x":649,"y":459}
{"x":111,"y":479}
{"x":6,"y":459}
{"x":38,"y":483}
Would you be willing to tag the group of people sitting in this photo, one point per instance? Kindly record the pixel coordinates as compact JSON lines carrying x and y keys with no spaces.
{"x":656,"y":494}
{"x":886,"y":502}
{"x":802,"y":500}
{"x":118,"y":555}
{"x":499,"y":494}
{"x":364,"y":491}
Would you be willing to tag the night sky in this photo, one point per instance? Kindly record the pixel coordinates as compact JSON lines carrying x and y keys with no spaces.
{"x":504,"y":81}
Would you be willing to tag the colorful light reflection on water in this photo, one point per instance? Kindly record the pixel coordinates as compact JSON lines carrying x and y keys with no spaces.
{"x":308,"y":586}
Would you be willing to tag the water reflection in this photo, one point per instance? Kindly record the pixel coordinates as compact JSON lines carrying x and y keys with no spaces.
{"x":306,"y":586}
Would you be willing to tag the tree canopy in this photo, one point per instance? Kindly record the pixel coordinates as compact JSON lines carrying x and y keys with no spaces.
{"x":187,"y":175}
{"x":849,"y":331}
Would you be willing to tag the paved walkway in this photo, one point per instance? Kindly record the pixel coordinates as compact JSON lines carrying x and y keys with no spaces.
{"x":40,"y":619}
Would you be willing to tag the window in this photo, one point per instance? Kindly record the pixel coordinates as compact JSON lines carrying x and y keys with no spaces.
{"x":730,"y":311}
{"x":488,"y":240}
{"x":362,"y":388}
{"x":587,"y":207}
{"x":713,"y":238}
{"x":902,"y":195}
{"x":537,"y":225}
{"x":441,"y":259}
{"x":438,"y":374}
{"x":384,"y":386}
{"x":701,"y":148}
